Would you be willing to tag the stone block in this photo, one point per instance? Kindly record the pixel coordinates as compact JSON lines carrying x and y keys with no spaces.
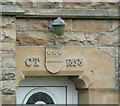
{"x":8,"y":99}
{"x":24,"y":3}
{"x":8,"y":61}
{"x":7,"y":22}
{"x":90,"y":25}
{"x":109,"y":38}
{"x":8,"y":35}
{"x":48,"y":5}
{"x":113,"y":25}
{"x":8,"y":74}
{"x":36,"y":24}
{"x":74,"y":38}
{"x":26,"y":39}
{"x":109,"y":51}
{"x":21,"y":24}
{"x":68,"y":26}
{"x":9,"y":87}
{"x":77,"y":5}
{"x":45,"y":36}
{"x":7,"y":48}
{"x":81,"y":38}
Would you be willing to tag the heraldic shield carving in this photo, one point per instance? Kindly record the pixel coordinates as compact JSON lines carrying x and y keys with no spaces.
{"x":54,"y":59}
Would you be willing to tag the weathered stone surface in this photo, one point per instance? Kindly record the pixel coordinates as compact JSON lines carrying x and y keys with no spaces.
{"x":48,"y":5}
{"x":40,"y":4}
{"x":109,"y":38}
{"x":89,"y":25}
{"x":67,"y":4}
{"x":109,"y":51}
{"x":8,"y":87}
{"x":8,"y":61}
{"x":102,"y":5}
{"x":77,"y":5}
{"x":7,"y":1}
{"x":114,"y":12}
{"x":106,"y":1}
{"x":35,"y":24}
{"x":113,"y":25}
{"x":117,"y":65}
{"x":117,"y":54}
{"x":0,"y":48}
{"x":68,"y":25}
{"x":0,"y":60}
{"x":81,"y":38}
{"x":24,"y":3}
{"x":91,"y":38}
{"x":71,"y":38}
{"x":8,"y":99}
{"x":0,"y":99}
{"x":21,"y":24}
{"x":0,"y":74}
{"x":8,"y":47}
{"x":8,"y":35}
{"x":45,"y":36}
{"x":71,"y":13}
{"x":7,"y":22}
{"x":8,"y":74}
{"x":25,"y":39}
{"x":11,"y":9}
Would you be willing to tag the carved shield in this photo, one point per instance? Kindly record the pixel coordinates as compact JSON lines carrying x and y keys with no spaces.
{"x":54,"y":59}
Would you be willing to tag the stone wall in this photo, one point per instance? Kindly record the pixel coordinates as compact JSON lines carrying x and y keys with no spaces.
{"x":101,"y":34}
{"x":97,"y":33}
{"x":8,"y":64}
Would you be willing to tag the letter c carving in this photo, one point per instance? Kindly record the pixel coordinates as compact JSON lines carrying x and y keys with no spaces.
{"x":28,"y":62}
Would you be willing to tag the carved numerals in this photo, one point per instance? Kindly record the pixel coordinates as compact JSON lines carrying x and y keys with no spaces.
{"x":73,"y":62}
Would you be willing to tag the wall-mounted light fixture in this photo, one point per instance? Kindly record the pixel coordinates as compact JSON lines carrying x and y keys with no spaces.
{"x":57,"y":26}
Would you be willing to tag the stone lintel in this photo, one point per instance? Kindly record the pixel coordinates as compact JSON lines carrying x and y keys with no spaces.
{"x":84,"y":66}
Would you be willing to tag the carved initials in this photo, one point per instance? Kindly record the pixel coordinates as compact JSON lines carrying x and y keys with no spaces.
{"x":32,"y":61}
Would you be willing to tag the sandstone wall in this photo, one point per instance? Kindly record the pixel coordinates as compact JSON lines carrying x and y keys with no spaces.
{"x":101,"y":34}
{"x":8,"y":64}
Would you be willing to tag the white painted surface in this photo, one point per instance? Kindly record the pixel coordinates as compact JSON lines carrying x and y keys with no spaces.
{"x":61,"y":89}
